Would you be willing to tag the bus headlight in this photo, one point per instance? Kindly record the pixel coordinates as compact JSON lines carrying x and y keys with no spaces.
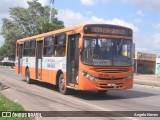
{"x":129,"y":77}
{"x":85,"y":74}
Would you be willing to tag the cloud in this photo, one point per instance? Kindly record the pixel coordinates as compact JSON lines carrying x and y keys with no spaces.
{"x":147,"y":4}
{"x":147,"y":43}
{"x":87,"y":2}
{"x":77,"y":18}
{"x":1,"y":37}
{"x":140,"y":13}
{"x":44,"y":2}
{"x":93,"y":2}
{"x":157,"y":26}
{"x":144,"y":43}
{"x":156,"y":42}
{"x":137,"y":20}
{"x":6,"y":4}
{"x":1,"y":40}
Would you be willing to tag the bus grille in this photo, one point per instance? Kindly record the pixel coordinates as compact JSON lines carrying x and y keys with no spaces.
{"x":111,"y":70}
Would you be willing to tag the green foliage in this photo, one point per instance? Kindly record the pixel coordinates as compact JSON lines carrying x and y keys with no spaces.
{"x":27,"y":22}
{"x":8,"y":105}
{"x":46,"y":27}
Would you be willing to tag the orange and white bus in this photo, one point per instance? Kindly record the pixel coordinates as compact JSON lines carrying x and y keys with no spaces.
{"x":85,"y":57}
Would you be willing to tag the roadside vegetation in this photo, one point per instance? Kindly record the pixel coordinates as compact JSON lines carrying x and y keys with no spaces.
{"x":8,"y":105}
{"x":25,"y":22}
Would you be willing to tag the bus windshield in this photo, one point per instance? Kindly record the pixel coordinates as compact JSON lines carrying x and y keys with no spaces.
{"x":107,"y":52}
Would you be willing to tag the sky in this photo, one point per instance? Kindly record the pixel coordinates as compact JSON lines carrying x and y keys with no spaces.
{"x":143,"y":16}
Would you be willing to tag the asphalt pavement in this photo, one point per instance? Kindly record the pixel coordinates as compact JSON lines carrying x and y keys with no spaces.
{"x":45,"y":97}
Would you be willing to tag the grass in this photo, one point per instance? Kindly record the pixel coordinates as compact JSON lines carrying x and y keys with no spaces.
{"x":8,"y":105}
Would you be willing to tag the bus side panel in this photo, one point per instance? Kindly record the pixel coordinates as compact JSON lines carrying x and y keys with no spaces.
{"x":50,"y":67}
{"x":30,"y":63}
{"x":16,"y":69}
{"x":49,"y":76}
{"x":32,"y":73}
{"x":23,"y":70}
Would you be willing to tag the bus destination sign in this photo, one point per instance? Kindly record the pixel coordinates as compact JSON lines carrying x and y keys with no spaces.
{"x":108,"y":30}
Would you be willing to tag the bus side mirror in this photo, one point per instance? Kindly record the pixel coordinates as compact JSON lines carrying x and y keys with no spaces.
{"x":133,"y":47}
{"x":80,"y":45}
{"x":133,"y":53}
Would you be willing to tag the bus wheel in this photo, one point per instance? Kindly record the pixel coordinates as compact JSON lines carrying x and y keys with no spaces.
{"x":102,"y":92}
{"x":62,"y":87}
{"x":28,"y":80}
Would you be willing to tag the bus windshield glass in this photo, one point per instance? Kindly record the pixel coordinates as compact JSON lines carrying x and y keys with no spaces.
{"x":107,"y":52}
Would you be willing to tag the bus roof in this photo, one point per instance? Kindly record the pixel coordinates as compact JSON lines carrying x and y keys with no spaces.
{"x":78,"y":27}
{"x":50,"y":33}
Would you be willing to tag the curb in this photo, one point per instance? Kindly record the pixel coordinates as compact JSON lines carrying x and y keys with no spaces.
{"x":154,"y":84}
{"x":3,"y":87}
{"x":7,"y":67}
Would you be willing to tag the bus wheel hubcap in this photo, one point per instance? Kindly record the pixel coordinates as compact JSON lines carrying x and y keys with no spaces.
{"x":27,"y":77}
{"x":62,"y":84}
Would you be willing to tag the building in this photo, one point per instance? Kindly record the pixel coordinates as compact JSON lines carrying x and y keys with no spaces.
{"x":158,"y":66}
{"x":145,"y":63}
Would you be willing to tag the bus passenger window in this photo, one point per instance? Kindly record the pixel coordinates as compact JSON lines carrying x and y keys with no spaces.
{"x":32,"y":47}
{"x":48,"y":46}
{"x":26,"y":48}
{"x":59,"y":51}
{"x":60,"y":45}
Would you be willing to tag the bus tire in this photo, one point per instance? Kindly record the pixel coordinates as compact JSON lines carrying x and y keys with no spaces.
{"x":102,"y":92}
{"x":28,"y":80}
{"x":62,"y":87}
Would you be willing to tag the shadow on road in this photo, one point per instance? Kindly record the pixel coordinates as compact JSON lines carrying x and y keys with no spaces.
{"x":93,"y":95}
{"x":45,"y":85}
{"x":112,"y":95}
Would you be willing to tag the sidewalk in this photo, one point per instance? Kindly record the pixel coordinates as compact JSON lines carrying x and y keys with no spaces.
{"x":151,"y":80}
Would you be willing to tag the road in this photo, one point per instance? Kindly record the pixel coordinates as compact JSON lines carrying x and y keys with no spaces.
{"x":45,"y":97}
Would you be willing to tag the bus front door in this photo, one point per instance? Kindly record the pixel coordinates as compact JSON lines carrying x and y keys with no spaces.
{"x":73,"y":59}
{"x":20,"y":54}
{"x":39,"y":60}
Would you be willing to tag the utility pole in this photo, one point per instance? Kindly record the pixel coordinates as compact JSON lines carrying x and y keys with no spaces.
{"x":50,"y":18}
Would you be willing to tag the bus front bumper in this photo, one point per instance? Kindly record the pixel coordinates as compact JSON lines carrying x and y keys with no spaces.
{"x":86,"y":84}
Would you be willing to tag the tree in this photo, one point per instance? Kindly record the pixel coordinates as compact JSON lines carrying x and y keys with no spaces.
{"x":27,"y":22}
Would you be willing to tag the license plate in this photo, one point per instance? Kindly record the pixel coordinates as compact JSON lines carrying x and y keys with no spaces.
{"x":111,"y":85}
